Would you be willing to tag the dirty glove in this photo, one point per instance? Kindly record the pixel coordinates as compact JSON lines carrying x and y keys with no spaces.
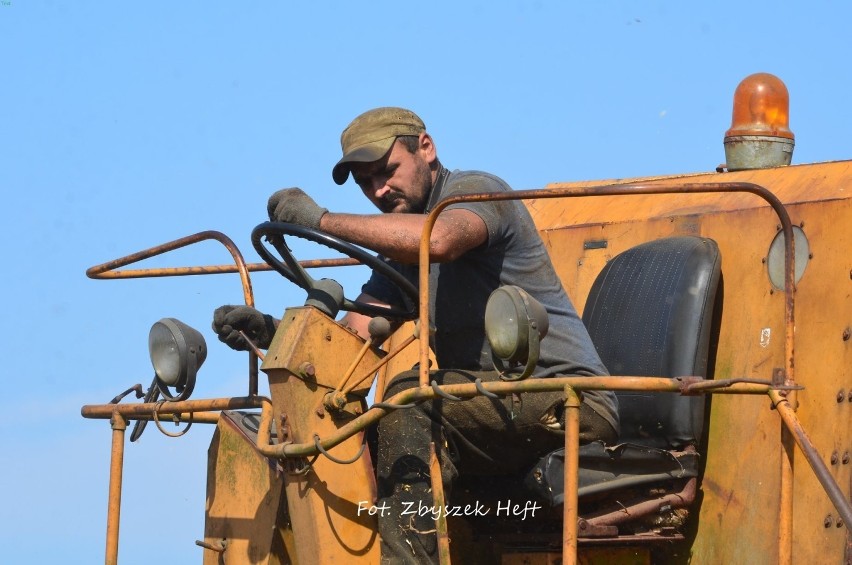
{"x":229,"y":320}
{"x":293,"y":206}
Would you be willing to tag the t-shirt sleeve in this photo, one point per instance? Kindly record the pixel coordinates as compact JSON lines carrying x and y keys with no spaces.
{"x":492,"y":212}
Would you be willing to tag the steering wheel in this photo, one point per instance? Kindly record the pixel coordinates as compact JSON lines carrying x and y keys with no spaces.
{"x":295,"y":273}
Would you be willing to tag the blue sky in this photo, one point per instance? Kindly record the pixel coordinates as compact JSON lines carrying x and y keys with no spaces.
{"x":126,"y":125}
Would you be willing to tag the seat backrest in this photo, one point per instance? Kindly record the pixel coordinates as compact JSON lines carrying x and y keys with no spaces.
{"x":649,"y":313}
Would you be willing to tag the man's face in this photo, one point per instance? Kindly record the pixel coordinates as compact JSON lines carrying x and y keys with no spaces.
{"x":399,"y":182}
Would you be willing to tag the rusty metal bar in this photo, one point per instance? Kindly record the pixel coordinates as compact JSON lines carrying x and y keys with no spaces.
{"x":724,"y":383}
{"x":382,"y":362}
{"x":629,"y":511}
{"x":212,"y":269}
{"x":439,"y":502}
{"x":219,"y":547}
{"x":116,"y":467}
{"x":252,"y":345}
{"x":354,"y":364}
{"x":470,"y":390}
{"x":823,"y":475}
{"x":197,"y":417}
{"x":107,"y":270}
{"x":571,"y":509}
{"x":136,"y":411}
{"x":785,"y":498}
{"x":617,"y":190}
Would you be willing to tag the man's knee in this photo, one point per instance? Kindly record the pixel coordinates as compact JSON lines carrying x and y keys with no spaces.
{"x":401,"y":382}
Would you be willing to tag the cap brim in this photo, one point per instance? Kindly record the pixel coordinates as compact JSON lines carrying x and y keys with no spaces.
{"x":365,"y":154}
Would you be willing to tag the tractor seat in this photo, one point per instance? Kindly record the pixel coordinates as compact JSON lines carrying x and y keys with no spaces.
{"x":649,"y":313}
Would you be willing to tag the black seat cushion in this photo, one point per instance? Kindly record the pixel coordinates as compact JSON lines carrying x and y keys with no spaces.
{"x":649,"y":313}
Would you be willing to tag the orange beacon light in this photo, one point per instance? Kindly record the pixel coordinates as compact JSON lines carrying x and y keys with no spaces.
{"x":760,"y":133}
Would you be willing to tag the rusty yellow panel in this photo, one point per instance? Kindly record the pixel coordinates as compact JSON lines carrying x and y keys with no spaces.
{"x":327,"y":503}
{"x":740,"y":489}
{"x":824,"y":367}
{"x":245,"y":505}
{"x":792,"y":185}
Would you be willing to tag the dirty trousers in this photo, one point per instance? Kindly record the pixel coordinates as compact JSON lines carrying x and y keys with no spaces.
{"x":479,"y":436}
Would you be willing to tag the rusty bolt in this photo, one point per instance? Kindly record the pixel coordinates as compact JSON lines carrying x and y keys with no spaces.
{"x":802,"y":224}
{"x":834,"y":458}
{"x":841,"y":395}
{"x":845,"y":458}
{"x":850,"y":396}
{"x":847,"y":333}
{"x":839,"y":523}
{"x":320,"y":412}
{"x":829,"y":520}
{"x":763,"y":260}
{"x":307,"y":370}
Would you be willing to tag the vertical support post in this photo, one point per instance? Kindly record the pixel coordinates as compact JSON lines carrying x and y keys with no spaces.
{"x":439,"y":503}
{"x":785,"y":522}
{"x":572,"y":464}
{"x":785,"y":519}
{"x":253,"y":367}
{"x":116,"y":465}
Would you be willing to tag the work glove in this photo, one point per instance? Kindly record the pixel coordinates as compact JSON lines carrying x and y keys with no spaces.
{"x":293,"y":206}
{"x":229,"y":320}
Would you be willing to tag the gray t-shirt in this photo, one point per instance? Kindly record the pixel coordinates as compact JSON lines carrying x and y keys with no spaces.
{"x":513,"y":255}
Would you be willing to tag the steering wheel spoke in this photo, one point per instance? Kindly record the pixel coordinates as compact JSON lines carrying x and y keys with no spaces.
{"x":290,"y":268}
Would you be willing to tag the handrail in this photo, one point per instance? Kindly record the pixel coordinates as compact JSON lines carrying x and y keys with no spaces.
{"x":109,"y":270}
{"x":617,"y":190}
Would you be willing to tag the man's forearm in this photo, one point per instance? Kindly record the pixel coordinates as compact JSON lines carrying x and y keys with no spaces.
{"x":396,"y":236}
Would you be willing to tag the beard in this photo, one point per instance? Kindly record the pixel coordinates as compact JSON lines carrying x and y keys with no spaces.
{"x":416,"y":199}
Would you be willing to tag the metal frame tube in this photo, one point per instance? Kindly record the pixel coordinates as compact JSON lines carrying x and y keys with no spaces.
{"x":107,"y":270}
{"x":116,"y":468}
{"x":470,"y":390}
{"x":571,"y":510}
{"x":823,"y":474}
{"x":136,"y":411}
{"x":439,"y":503}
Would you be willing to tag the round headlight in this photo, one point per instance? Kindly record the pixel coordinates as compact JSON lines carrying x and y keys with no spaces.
{"x":164,"y":354}
{"x":177,"y":351}
{"x":515,"y":322}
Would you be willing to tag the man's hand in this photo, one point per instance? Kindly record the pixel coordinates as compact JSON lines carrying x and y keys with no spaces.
{"x":293,"y":206}
{"x":228,"y":321}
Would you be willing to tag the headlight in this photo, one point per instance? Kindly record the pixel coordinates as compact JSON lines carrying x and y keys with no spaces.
{"x":177,"y":351}
{"x":515,"y":323}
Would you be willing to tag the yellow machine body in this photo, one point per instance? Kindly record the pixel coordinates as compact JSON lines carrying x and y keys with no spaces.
{"x":737,"y":515}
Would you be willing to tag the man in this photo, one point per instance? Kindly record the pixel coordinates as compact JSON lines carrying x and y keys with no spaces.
{"x":475,"y":248}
